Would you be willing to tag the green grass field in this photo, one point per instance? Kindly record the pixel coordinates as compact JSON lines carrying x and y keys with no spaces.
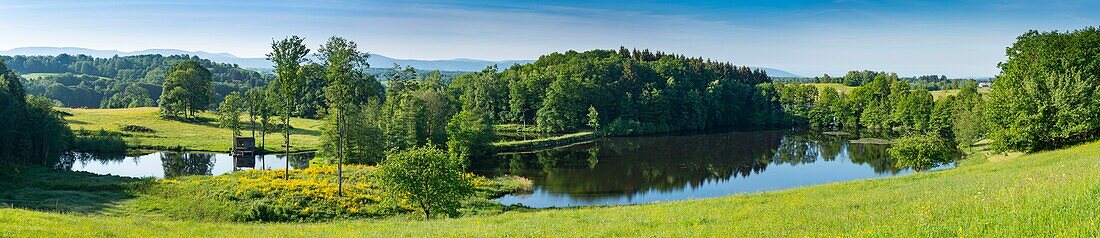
{"x":36,"y":76}
{"x":1054,"y":193}
{"x":204,"y":136}
{"x":840,"y":88}
{"x":848,"y":89}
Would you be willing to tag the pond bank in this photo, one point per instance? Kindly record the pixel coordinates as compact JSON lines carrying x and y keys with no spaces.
{"x":544,"y":143}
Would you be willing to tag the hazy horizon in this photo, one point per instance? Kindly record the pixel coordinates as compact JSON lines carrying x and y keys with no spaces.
{"x":957,"y":39}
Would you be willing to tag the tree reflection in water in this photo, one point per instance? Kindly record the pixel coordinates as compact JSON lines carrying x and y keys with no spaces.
{"x":622,"y":167}
{"x":68,"y":159}
{"x":182,"y":163}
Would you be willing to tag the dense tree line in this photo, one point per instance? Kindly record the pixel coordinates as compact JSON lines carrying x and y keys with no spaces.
{"x":32,"y":132}
{"x":130,"y":81}
{"x":636,"y":91}
{"x":1046,"y":95}
{"x":929,"y":129}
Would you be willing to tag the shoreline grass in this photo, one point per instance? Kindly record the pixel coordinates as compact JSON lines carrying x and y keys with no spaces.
{"x":544,"y":142}
{"x":192,"y":136}
{"x":1053,"y":193}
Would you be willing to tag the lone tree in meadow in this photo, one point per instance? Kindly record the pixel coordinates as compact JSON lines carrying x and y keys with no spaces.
{"x":188,"y":88}
{"x":343,"y":64}
{"x":426,"y":179}
{"x":288,"y":55}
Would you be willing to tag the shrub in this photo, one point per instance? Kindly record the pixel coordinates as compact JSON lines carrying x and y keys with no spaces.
{"x":921,"y":151}
{"x":98,"y":141}
{"x":137,"y":128}
{"x":425,"y":179}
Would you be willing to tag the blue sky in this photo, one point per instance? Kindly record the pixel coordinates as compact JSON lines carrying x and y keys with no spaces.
{"x":956,"y":38}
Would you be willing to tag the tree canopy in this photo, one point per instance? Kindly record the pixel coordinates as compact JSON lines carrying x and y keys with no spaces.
{"x":1046,"y":94}
{"x":190,"y":90}
{"x":85,"y":81}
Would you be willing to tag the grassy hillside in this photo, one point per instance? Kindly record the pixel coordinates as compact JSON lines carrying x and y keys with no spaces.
{"x":1055,"y":193}
{"x":206,"y":135}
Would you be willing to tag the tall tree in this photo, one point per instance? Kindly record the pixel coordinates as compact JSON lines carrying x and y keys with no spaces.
{"x":229,"y":112}
{"x":343,"y":62}
{"x":190,"y":89}
{"x":288,"y":55}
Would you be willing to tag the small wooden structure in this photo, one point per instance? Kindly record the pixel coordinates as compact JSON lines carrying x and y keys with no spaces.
{"x":244,"y":146}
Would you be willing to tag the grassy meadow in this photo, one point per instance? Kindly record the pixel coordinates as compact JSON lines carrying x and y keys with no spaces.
{"x":1053,"y":193}
{"x":204,"y":136}
{"x":308,"y":195}
{"x":840,"y":88}
{"x":848,"y":89}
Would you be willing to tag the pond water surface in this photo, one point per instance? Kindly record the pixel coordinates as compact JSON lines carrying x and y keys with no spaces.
{"x":172,"y":164}
{"x":609,"y":171}
{"x":633,"y":170}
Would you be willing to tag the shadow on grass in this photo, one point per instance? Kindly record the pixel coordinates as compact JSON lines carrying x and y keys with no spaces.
{"x":44,"y":189}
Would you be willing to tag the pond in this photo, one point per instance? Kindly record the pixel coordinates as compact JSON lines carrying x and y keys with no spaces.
{"x":168,"y":164}
{"x":634,"y":170}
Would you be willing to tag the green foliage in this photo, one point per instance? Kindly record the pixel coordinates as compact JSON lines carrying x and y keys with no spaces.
{"x":130,"y":96}
{"x":364,"y":140}
{"x":100,"y":141}
{"x":425,"y":179}
{"x":416,"y":110}
{"x":469,"y":136}
{"x":85,"y":81}
{"x":288,"y":55}
{"x":968,"y":126}
{"x":485,"y":92}
{"x":593,"y":118}
{"x":1045,"y":95}
{"x":189,"y":88}
{"x":31,"y":131}
{"x":921,"y":151}
{"x":911,"y":112}
{"x":353,"y":125}
{"x":261,"y":108}
{"x":229,"y":112}
{"x":666,"y":92}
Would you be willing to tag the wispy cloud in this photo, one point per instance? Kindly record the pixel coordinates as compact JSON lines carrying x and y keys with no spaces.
{"x":957,"y":38}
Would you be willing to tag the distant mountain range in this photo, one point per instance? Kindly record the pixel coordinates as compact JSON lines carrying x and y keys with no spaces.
{"x":376,"y":61}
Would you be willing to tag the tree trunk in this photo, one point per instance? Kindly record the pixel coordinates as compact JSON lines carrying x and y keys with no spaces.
{"x":286,"y":137}
{"x":340,"y":124}
{"x":427,"y":212}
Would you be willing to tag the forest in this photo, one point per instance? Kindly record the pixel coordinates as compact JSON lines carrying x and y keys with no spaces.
{"x":117,"y":82}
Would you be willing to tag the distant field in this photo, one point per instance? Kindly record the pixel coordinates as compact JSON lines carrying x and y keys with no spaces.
{"x":35,"y":76}
{"x":944,"y":93}
{"x":848,"y":89}
{"x":205,"y":136}
{"x":1048,"y":194}
{"x":845,"y":89}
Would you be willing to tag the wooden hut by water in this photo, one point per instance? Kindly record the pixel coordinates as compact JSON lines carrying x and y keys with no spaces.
{"x":244,"y":146}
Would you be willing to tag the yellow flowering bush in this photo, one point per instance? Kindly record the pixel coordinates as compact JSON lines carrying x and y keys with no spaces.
{"x":309,"y":194}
